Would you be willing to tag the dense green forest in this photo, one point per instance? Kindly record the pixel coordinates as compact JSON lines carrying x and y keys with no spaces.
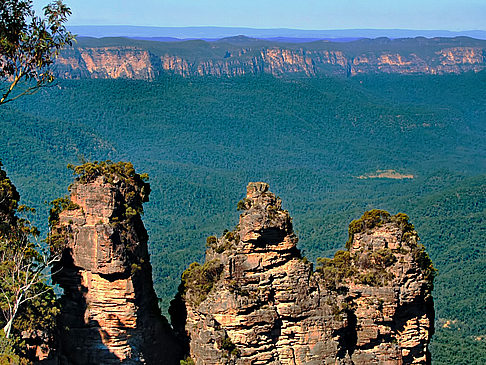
{"x":317,"y":142}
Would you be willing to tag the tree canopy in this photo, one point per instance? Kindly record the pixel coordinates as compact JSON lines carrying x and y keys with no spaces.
{"x":29,"y":44}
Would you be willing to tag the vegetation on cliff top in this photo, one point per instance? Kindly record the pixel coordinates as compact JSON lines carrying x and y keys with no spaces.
{"x":376,"y":218}
{"x":371,"y":268}
{"x":124,"y":171}
{"x":136,"y":186}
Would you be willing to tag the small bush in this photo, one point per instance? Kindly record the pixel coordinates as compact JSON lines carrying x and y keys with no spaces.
{"x":59,"y":205}
{"x":243,"y":204}
{"x":187,"y":361}
{"x":199,"y":280}
{"x":335,"y":270}
{"x":422,"y":258}
{"x":369,"y":220}
{"x":211,"y":241}
{"x":383,"y":258}
{"x":228,"y":346}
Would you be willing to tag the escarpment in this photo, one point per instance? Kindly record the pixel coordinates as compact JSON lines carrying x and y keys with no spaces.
{"x":110,"y":312}
{"x":148,"y":60}
{"x":256,"y":300}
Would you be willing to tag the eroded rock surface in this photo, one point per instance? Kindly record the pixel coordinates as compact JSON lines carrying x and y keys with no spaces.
{"x":110,"y":313}
{"x":255,"y":300}
{"x":152,"y":59}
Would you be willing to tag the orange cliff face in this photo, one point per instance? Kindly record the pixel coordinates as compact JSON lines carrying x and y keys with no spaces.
{"x":109,"y":310}
{"x":106,"y":63}
{"x":256,"y":300}
{"x":138,"y":63}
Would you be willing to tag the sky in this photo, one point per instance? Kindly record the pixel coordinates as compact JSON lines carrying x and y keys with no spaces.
{"x":297,"y":14}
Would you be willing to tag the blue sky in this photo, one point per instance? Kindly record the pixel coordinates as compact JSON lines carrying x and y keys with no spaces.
{"x":300,"y":14}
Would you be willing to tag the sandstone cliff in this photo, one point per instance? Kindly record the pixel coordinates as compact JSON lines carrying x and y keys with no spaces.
{"x":146,"y":60}
{"x":110,"y":313}
{"x":255,"y":300}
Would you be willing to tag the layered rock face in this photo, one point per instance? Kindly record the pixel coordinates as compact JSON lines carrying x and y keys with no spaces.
{"x":106,"y":63}
{"x":255,"y":300}
{"x":110,"y":312}
{"x":439,"y":56}
{"x":389,"y":291}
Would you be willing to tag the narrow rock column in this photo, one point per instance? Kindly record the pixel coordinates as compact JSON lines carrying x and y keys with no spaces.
{"x":256,"y":300}
{"x":110,"y":311}
{"x":390,"y":291}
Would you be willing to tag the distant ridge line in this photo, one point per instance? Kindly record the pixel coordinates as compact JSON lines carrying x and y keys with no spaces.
{"x":213,"y":33}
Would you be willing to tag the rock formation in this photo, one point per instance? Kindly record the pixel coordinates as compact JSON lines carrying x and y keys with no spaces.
{"x":151,"y":59}
{"x":110,"y":312}
{"x":256,"y":300}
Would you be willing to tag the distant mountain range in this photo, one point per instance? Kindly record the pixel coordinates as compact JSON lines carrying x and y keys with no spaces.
{"x":122,"y":57}
{"x":297,"y":35}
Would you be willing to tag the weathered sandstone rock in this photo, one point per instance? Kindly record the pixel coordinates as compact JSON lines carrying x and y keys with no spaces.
{"x":109,"y":308}
{"x":255,"y":300}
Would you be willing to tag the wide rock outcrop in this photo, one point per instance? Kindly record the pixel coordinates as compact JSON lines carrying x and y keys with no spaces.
{"x":256,"y":300}
{"x":110,"y":312}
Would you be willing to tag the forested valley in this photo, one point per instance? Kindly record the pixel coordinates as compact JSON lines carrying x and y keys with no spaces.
{"x":332,"y":148}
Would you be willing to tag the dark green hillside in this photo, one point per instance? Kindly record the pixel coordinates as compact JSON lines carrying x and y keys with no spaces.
{"x":318,"y":142}
{"x":452,"y":224}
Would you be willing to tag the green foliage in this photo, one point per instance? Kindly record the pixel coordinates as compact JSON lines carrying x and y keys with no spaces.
{"x":187,"y":361}
{"x":58,"y":235}
{"x":57,"y":206}
{"x":368,"y":269}
{"x":27,"y":303}
{"x":422,"y":258}
{"x":113,"y":172}
{"x":334,"y":271}
{"x":383,"y":257}
{"x":243,"y":204}
{"x":29,"y":44}
{"x":228,"y":346}
{"x":369,"y":220}
{"x":211,"y":241}
{"x":7,"y":353}
{"x":198,"y":280}
{"x":373,"y":267}
{"x":39,"y":314}
{"x":456,"y":346}
{"x":375,"y":218}
{"x":9,"y":197}
{"x":226,"y":242}
{"x":89,"y":171}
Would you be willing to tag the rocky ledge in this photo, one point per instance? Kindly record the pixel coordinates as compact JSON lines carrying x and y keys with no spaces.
{"x":256,"y":300}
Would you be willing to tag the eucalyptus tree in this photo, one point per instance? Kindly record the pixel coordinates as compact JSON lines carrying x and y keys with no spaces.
{"x":29,"y":45}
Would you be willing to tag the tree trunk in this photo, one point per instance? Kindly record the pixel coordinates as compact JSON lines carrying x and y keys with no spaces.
{"x":7,"y":328}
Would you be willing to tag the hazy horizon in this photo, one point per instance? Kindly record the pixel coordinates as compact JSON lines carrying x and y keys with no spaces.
{"x":304,"y":15}
{"x":215,"y":32}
